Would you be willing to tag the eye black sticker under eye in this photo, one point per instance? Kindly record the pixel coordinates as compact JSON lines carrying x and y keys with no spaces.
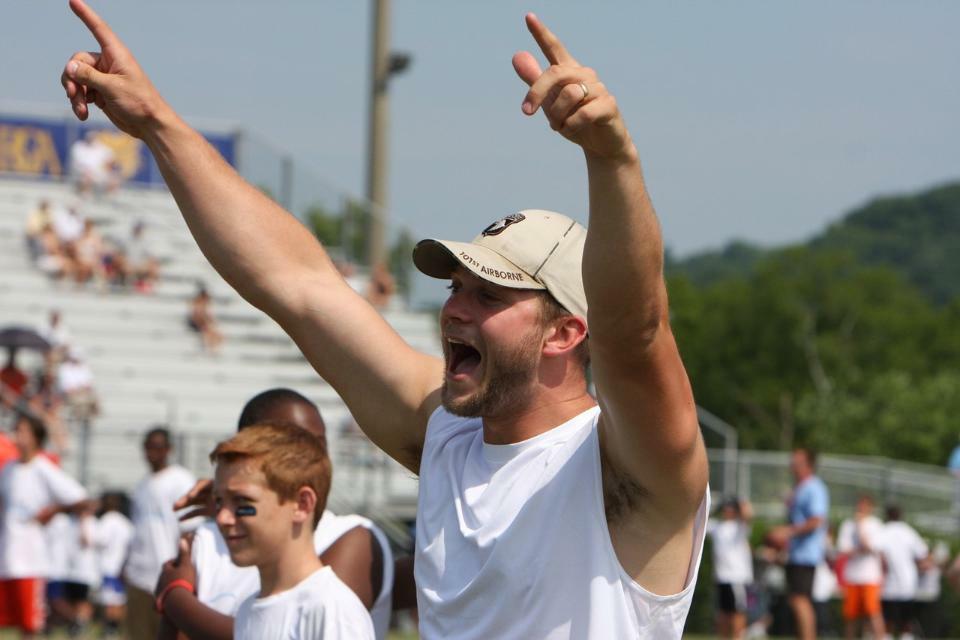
{"x":246,"y":510}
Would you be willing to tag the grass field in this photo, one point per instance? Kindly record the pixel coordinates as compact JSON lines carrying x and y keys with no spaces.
{"x":6,"y":634}
{"x":9,"y":634}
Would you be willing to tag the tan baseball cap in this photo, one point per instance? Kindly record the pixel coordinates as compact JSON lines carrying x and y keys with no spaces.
{"x":531,"y":249}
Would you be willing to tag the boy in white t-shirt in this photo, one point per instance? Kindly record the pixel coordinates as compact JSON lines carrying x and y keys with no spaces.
{"x":270,"y":489}
{"x":82,"y":573}
{"x":861,"y":538}
{"x":356,"y":550}
{"x":113,"y":535}
{"x":903,"y":550}
{"x":732,"y":565}
{"x":156,"y":531}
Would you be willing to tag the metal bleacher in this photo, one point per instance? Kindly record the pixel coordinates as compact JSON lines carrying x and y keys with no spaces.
{"x":149,"y":367}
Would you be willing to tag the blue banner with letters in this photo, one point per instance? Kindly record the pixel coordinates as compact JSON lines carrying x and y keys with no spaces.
{"x":40,"y":148}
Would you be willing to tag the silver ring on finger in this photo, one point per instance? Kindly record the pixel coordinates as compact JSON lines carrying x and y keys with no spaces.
{"x":586,"y":90}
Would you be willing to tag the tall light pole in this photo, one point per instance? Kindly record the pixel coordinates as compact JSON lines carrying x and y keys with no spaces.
{"x":383,"y":65}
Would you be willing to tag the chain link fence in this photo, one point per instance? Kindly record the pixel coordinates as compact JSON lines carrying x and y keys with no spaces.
{"x":927,"y":494}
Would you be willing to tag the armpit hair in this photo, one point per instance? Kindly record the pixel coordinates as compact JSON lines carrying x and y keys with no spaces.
{"x":621,"y":493}
{"x":414,"y":454}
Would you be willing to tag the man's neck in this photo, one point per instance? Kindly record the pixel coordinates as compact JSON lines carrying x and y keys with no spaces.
{"x":297,"y":561}
{"x":157,"y":469}
{"x":539,"y":416}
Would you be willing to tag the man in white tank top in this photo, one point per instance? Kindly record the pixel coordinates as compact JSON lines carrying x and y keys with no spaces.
{"x":542,"y":514}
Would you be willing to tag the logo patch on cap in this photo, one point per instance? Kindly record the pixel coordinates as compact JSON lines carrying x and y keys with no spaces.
{"x":500,"y":225}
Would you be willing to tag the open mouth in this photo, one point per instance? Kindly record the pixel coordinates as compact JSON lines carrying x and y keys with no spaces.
{"x":463,"y":359}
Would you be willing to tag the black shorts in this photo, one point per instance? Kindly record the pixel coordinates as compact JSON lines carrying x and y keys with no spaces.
{"x":800,"y":579}
{"x":897,"y":612}
{"x":75,"y":591}
{"x":732,"y":598}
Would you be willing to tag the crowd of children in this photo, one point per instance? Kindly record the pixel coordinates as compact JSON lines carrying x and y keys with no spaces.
{"x":884,"y":575}
{"x":253,"y":553}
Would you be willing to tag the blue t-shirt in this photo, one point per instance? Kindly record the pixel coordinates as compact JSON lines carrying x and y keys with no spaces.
{"x":810,"y":499}
{"x":954,"y":462}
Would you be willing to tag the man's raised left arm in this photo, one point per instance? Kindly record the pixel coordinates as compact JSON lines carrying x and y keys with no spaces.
{"x":649,"y":430}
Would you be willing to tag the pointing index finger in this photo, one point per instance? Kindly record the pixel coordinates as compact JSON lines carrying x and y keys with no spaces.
{"x":551,"y":46}
{"x":95,"y":24}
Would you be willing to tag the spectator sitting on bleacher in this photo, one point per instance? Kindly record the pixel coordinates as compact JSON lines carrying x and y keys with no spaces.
{"x":201,"y":320}
{"x":89,"y":255}
{"x":57,"y":334}
{"x":53,"y":260}
{"x":68,"y":224}
{"x":93,"y":165}
{"x":114,"y":259}
{"x":37,"y":220}
{"x":139,"y":265}
{"x":76,"y":381}
{"x":13,"y":380}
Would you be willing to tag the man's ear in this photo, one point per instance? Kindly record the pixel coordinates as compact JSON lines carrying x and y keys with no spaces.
{"x":306,"y":504}
{"x":564,"y":336}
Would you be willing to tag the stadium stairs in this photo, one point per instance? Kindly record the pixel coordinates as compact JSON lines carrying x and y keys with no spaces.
{"x":150,"y":369}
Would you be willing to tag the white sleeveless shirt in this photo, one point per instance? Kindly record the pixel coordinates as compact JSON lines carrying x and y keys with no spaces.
{"x":512,"y":541}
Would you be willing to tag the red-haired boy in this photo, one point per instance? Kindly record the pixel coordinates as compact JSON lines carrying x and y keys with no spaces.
{"x":270,"y":488}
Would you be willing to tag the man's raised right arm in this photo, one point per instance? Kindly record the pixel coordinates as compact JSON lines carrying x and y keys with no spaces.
{"x":265,"y":253}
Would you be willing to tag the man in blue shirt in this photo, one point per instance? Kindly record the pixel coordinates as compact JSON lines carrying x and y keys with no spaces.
{"x":807,"y":513}
{"x":953,"y":464}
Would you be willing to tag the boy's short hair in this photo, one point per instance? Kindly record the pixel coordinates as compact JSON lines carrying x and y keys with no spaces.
{"x":260,"y":407}
{"x":115,"y":501}
{"x":37,"y":427}
{"x":158,"y":430}
{"x":290,"y":458}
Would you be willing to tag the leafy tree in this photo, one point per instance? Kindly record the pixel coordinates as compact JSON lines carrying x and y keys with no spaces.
{"x":325,"y":226}
{"x":803,"y":325}
{"x":918,"y":235}
{"x":848,"y":342}
{"x":736,"y":259}
{"x":348,"y":230}
{"x":894,"y":414}
{"x":401,"y":262}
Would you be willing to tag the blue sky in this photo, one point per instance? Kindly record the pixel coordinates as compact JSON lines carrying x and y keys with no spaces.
{"x":755,"y":120}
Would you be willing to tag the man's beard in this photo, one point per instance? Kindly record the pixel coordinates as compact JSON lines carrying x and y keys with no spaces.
{"x":509,"y":376}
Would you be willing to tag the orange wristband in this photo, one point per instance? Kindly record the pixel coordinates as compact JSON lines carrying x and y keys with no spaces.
{"x":176,"y":584}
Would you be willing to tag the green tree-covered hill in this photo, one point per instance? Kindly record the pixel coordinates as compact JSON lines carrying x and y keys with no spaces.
{"x":849,"y":342}
{"x":916,"y":235}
